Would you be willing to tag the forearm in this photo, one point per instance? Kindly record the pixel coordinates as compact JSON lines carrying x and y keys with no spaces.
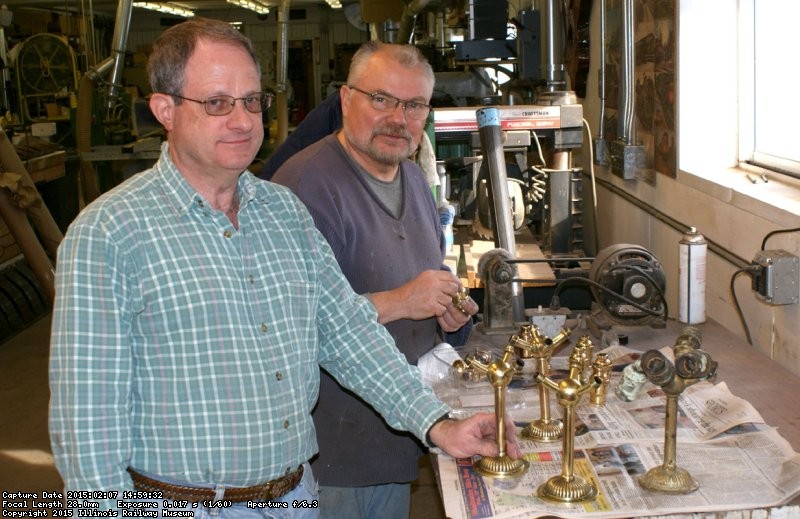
{"x":389,"y":304}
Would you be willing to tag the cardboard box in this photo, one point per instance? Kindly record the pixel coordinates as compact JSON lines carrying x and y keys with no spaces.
{"x":44,"y":129}
{"x":52,"y":111}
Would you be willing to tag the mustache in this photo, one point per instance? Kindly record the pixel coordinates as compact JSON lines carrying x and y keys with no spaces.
{"x":392,"y":130}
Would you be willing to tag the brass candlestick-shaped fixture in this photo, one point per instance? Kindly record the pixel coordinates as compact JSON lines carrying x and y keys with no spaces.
{"x":584,"y":349}
{"x":531,"y":344}
{"x":692,"y":365}
{"x":499,"y":373}
{"x":568,"y":487}
{"x":601,"y":369}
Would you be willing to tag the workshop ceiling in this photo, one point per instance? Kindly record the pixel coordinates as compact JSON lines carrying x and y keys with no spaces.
{"x":110,"y":6}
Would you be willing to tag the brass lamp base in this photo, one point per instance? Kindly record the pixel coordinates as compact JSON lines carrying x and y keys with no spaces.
{"x":560,"y":489}
{"x":673,"y":480}
{"x":500,"y":466}
{"x":543,"y":430}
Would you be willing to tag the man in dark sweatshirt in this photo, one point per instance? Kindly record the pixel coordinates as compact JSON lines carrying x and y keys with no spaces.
{"x":377,"y":211}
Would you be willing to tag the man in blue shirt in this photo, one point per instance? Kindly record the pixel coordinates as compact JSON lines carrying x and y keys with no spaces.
{"x":195,"y":304}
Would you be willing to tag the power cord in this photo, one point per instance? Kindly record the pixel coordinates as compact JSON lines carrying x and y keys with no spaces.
{"x":594,"y":186}
{"x":750,"y":269}
{"x":770,"y":234}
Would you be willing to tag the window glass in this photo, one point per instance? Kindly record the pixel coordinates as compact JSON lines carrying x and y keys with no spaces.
{"x":775,"y":77}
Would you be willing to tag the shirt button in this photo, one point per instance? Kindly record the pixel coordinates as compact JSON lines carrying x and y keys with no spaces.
{"x":250,"y":279}
{"x":264,"y":327}
{"x":227,"y":234}
{"x":279,"y":375}
{"x":286,"y":424}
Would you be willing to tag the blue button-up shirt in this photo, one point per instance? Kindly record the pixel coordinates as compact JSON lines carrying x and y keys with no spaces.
{"x":185,"y":347}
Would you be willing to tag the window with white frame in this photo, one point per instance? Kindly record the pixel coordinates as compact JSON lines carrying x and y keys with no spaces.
{"x":769,"y":79}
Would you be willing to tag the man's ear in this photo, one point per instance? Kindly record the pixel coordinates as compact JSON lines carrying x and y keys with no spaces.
{"x":344,"y":98}
{"x":162,"y":106}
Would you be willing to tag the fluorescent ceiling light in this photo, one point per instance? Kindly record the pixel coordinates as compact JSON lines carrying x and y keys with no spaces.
{"x":163,"y":7}
{"x":334,"y":4}
{"x":252,"y":5}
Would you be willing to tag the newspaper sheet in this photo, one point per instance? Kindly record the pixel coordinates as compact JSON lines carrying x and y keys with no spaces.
{"x":739,"y":462}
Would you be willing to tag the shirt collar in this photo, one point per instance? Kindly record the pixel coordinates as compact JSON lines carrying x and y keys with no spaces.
{"x":184,"y":196}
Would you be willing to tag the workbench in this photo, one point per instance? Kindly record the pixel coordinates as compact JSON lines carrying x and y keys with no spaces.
{"x":749,"y":374}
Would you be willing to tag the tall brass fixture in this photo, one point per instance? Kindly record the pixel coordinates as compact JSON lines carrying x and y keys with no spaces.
{"x":569,"y":487}
{"x":692,"y":365}
{"x":531,"y":344}
{"x":499,"y":372}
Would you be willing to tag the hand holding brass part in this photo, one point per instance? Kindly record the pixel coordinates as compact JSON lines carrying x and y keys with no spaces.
{"x":460,"y":298}
{"x":531,"y":344}
{"x":692,"y":365}
{"x":499,"y":372}
{"x":568,"y":487}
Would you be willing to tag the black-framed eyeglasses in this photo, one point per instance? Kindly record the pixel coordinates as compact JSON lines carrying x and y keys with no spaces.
{"x":256,"y":103}
{"x":386,"y":103}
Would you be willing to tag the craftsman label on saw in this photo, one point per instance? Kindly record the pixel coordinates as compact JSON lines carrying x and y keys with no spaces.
{"x":523,"y":117}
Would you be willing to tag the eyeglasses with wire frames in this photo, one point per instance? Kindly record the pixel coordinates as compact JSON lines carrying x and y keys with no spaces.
{"x":256,"y":103}
{"x":383,"y":102}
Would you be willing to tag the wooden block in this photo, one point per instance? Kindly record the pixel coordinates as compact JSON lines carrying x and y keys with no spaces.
{"x":535,"y":274}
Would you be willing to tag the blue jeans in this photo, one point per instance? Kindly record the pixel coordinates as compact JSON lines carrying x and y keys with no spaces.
{"x":389,"y":501}
{"x":301,"y":503}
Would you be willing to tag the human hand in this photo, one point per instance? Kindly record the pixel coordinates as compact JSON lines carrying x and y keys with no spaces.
{"x":457,"y":315}
{"x":474,"y":435}
{"x":429,"y":294}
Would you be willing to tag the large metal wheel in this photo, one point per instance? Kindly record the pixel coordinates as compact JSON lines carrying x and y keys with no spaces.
{"x":47,"y":71}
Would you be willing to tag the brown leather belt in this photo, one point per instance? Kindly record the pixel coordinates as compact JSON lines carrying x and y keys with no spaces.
{"x":263,"y":492}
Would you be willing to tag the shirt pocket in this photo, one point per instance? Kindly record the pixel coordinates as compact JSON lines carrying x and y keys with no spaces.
{"x":294,"y":310}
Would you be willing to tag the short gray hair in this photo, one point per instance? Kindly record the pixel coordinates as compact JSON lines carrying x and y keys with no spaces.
{"x":406,"y":55}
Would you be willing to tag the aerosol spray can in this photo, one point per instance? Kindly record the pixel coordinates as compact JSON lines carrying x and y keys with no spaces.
{"x":692,"y":269}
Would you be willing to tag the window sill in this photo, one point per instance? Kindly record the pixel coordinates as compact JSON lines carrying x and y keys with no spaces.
{"x":777,"y":199}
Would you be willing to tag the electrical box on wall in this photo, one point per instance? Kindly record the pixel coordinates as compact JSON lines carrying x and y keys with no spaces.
{"x":778,"y":281}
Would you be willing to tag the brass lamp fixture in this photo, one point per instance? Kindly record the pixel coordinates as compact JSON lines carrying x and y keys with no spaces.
{"x":531,"y":344}
{"x":499,"y":372}
{"x":692,"y":365}
{"x":569,"y":487}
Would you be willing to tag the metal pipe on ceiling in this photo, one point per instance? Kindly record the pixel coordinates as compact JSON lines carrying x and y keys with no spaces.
{"x":118,"y":44}
{"x":407,"y":21}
